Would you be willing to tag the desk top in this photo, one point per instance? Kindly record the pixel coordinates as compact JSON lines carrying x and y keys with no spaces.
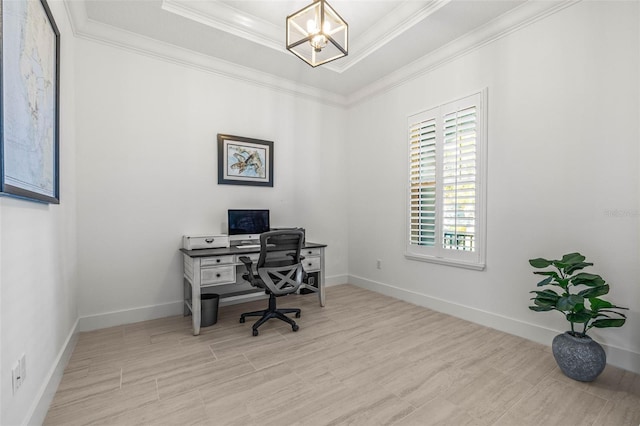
{"x":236,"y":250}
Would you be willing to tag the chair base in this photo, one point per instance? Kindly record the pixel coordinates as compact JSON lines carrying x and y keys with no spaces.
{"x":272,"y":312}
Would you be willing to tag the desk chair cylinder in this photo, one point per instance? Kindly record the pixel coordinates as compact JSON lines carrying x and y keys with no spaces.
{"x":279,"y":273}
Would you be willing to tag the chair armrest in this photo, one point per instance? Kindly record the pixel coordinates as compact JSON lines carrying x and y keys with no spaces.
{"x":293,"y":256}
{"x":249,"y":274}
{"x":247,"y":262}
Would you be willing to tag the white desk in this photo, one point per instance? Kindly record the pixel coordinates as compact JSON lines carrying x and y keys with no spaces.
{"x":219,"y":268}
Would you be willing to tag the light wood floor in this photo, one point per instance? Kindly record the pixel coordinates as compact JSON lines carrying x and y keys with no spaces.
{"x":364,"y":359}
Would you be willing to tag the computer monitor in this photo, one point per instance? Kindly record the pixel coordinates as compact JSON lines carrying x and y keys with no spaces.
{"x":247,"y":225}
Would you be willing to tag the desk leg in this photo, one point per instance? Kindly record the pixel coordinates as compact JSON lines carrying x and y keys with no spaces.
{"x":195,"y":298}
{"x":321,"y":283}
{"x":195,"y":310}
{"x":186,"y":288}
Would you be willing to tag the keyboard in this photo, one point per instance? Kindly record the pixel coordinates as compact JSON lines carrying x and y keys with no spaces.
{"x":252,"y":246}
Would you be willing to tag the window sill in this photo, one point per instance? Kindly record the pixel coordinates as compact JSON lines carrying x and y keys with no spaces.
{"x":449,"y":262}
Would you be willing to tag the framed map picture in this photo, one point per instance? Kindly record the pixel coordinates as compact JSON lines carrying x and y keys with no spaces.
{"x":29,"y":102}
{"x":244,"y":161}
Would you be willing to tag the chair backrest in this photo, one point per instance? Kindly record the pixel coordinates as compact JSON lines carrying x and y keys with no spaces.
{"x":280,"y":263}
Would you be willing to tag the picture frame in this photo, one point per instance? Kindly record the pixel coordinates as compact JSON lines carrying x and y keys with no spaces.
{"x":244,"y":161}
{"x":29,"y":101}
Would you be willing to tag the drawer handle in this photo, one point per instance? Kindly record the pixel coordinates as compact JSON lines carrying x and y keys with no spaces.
{"x":309,"y":263}
{"x":217,"y":260}
{"x":217,"y":275}
{"x":208,"y":240}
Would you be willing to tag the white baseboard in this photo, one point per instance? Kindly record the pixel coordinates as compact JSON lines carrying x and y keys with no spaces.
{"x":129,"y":316}
{"x":144,"y":313}
{"x":40,"y":407}
{"x":616,"y":356}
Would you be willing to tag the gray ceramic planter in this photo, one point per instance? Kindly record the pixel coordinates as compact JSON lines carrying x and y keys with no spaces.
{"x":579,"y":358}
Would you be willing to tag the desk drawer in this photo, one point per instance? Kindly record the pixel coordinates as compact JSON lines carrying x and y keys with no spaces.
{"x":310,"y":252}
{"x":311,"y":264}
{"x":220,"y":275}
{"x":217,"y":260}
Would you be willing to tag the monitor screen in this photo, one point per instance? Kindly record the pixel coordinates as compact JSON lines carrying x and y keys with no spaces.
{"x":248,"y":222}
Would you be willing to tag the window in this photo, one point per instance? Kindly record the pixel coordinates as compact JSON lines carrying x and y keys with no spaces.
{"x":447,"y":159}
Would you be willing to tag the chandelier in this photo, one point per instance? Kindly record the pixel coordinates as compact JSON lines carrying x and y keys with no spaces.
{"x":317,"y":34}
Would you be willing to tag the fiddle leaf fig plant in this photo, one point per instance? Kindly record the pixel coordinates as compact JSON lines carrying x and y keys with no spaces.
{"x":576,"y":294}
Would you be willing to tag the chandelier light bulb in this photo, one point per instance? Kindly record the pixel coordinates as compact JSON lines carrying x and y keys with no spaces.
{"x":312,"y":28}
{"x":318,"y":42}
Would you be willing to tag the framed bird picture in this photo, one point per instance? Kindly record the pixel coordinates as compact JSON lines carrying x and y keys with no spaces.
{"x":244,"y":161}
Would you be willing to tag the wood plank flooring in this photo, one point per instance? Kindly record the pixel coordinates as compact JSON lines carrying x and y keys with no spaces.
{"x":364,"y":359}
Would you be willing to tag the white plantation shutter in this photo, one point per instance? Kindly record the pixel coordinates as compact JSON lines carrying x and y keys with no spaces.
{"x":459,"y":179}
{"x":446,"y":156}
{"x":422,"y":140}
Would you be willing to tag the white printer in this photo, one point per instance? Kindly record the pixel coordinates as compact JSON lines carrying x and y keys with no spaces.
{"x":195,"y":242}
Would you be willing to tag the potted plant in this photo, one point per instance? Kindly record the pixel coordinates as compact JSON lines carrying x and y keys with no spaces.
{"x":578,"y":298}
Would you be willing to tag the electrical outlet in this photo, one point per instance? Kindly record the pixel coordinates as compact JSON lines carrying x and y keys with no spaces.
{"x":19,"y":373}
{"x":16,"y":377}
{"x":379,"y":264}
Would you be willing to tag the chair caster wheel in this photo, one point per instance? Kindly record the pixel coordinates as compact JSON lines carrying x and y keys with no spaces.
{"x":255,"y":332}
{"x":298,"y":315}
{"x":295,"y":327}
{"x":241,"y":320}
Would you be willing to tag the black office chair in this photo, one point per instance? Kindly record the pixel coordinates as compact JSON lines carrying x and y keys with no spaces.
{"x":279,"y":271}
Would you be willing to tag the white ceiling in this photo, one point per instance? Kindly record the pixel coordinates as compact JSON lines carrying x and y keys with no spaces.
{"x":384,"y":35}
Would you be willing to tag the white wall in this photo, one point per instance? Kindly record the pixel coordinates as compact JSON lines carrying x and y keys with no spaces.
{"x":564,"y":121}
{"x":147,"y":167}
{"x":38,"y":268}
{"x":563,"y":172}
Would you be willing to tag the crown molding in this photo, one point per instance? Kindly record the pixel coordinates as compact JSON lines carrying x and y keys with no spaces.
{"x":88,"y":29}
{"x":241,"y":24}
{"x":77,"y":14}
{"x":512,"y":21}
{"x":401,"y":19}
{"x":226,"y":18}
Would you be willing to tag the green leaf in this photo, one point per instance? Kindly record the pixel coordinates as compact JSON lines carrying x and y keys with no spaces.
{"x":575,"y":267}
{"x":579,"y":317}
{"x":548,"y":293}
{"x":603,"y":313}
{"x":541,"y":308}
{"x":572,"y":258}
{"x":590,"y":280}
{"x":547,"y":296}
{"x":549,"y":273}
{"x":540,"y":262}
{"x":546,"y":281}
{"x":604,"y":323}
{"x":594,"y":292}
{"x":597,"y":304}
{"x":544,"y":302}
{"x":568,"y":303}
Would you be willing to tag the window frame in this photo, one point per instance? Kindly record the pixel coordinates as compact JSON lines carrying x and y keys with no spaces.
{"x":475,"y":259}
